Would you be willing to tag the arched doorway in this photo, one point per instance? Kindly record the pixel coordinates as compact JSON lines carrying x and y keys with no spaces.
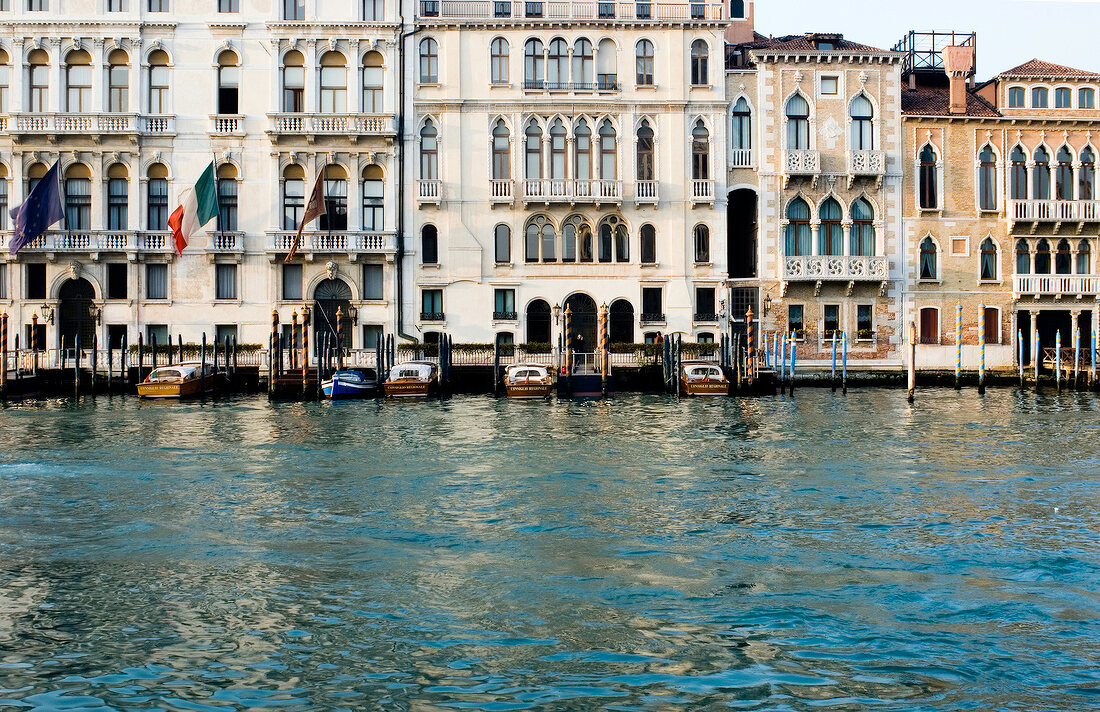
{"x":330,"y":295}
{"x":538,"y":322}
{"x":741,"y":234}
{"x":583,"y":321}
{"x":76,"y":313}
{"x":621,"y":315}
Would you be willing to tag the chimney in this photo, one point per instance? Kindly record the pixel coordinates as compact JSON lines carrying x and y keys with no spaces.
{"x":741,"y":30}
{"x":959,"y":63}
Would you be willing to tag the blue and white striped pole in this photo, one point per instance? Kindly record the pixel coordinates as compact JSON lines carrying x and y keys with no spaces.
{"x":1058,"y":358}
{"x":1020,"y":355}
{"x":1092,"y":371}
{"x":782,"y":362}
{"x":958,"y":344}
{"x":844,"y":363}
{"x":794,"y":343}
{"x":1076,"y":353}
{"x":981,"y":348}
{"x":1035,"y":356}
{"x":834,"y":362}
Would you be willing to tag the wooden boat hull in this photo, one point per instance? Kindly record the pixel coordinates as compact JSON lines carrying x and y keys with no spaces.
{"x":337,"y":389}
{"x":704,"y":388}
{"x":185,"y":389}
{"x":529,"y":391}
{"x":409,"y":389}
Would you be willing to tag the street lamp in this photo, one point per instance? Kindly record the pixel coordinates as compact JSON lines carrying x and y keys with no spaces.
{"x":47,"y":313}
{"x":557,"y":313}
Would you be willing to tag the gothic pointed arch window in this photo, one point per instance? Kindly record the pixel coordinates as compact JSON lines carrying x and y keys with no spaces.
{"x":1063,"y":176}
{"x":557,"y":150}
{"x":533,"y":151}
{"x":582,"y":151}
{"x":830,"y":240}
{"x":862,"y":114}
{"x":1041,"y":175}
{"x":987,"y":179}
{"x":429,"y":151}
{"x":1023,"y":257}
{"x":1042,"y":257}
{"x":614,"y":240}
{"x":798,"y":123}
{"x":608,"y":158}
{"x":645,"y":152}
{"x":929,"y":179}
{"x":574,"y":232}
{"x":700,"y":151}
{"x":538,"y":235}
{"x":1063,"y":259}
{"x":741,"y":134}
{"x":1086,"y":175}
{"x":988,"y":259}
{"x":1018,"y":182}
{"x":798,"y":228}
{"x":502,"y":151}
{"x":928,"y":259}
{"x":863,"y":228}
{"x":1083,"y":257}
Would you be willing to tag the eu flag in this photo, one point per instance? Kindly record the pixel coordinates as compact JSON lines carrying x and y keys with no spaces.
{"x":41,"y":209}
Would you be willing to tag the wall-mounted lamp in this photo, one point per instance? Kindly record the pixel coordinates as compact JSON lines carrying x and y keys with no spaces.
{"x":557,"y":313}
{"x":353,"y":315}
{"x":47,"y":313}
{"x":767,"y":303}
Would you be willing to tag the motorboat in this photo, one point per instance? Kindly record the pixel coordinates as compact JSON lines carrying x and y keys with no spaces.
{"x":528,"y":381}
{"x":702,"y":378}
{"x":181,"y":380}
{"x":412,"y":379}
{"x":351,"y":383}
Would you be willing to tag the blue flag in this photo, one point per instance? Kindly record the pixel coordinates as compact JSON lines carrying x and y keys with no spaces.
{"x":41,"y":209}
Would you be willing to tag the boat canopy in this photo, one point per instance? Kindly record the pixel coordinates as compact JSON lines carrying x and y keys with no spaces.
{"x":420,"y":370}
{"x":171,"y":373}
{"x":695,"y":372}
{"x":352,"y":376}
{"x":526,"y":372}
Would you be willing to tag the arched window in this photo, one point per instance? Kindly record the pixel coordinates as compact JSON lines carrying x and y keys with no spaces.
{"x":700,"y":55}
{"x":158,"y":82}
{"x":798,"y":123}
{"x":1063,"y":176}
{"x":863,"y":228}
{"x":1016,"y":97}
{"x":1086,"y":175}
{"x":987,"y":179}
{"x":372,"y":83}
{"x":429,"y":151}
{"x":645,"y":152}
{"x":927,"y":259}
{"x":1086,"y":98}
{"x":498,"y":61}
{"x":1042,"y":257}
{"x":607,"y":77}
{"x":373,"y":199}
{"x":1063,"y":259}
{"x":582,"y":65}
{"x":539,"y":232}
{"x":38,"y":81}
{"x":156,"y":209}
{"x":533,"y":151}
{"x":644,"y":63}
{"x":1083,"y":261}
{"x":557,"y":64}
{"x":502,"y":151}
{"x":830,"y":235}
{"x":557,"y":150}
{"x":117,"y":197}
{"x":700,"y":151}
{"x":929,"y":179}
{"x":798,"y":228}
{"x":294,"y":82}
{"x":608,"y":169}
{"x":1041,"y":176}
{"x":549,"y":242}
{"x":118,"y":81}
{"x":5,"y":82}
{"x":229,"y":80}
{"x":701,"y":235}
{"x":227,"y":198}
{"x":1063,"y":98}
{"x":294,"y":196}
{"x":1019,"y":174}
{"x":1039,"y":98}
{"x":429,"y":61}
{"x":582,"y":151}
{"x":575,"y":230}
{"x":78,"y":197}
{"x":1023,"y":258}
{"x":429,"y":245}
{"x":3,"y":198}
{"x":647,"y":238}
{"x":533,"y":65}
{"x":78,"y":81}
{"x":988,"y":259}
{"x":741,"y":135}
{"x":334,"y":91}
{"x":614,"y":240}
{"x":862,"y":114}
{"x":502,"y":242}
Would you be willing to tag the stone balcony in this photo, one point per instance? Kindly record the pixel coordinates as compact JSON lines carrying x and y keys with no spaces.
{"x":54,"y":125}
{"x":352,"y":243}
{"x":702,"y":192}
{"x":1056,"y":286}
{"x":866,"y":164}
{"x":572,"y":191}
{"x":350,"y":126}
{"x":227,"y":125}
{"x":646,"y":191}
{"x":1054,"y":213}
{"x":801,"y":164}
{"x":566,"y":10}
{"x":836,"y":268}
{"x":741,"y":158}
{"x":93,"y":242}
{"x":429,"y":192}
{"x":502,"y":190}
{"x":224,"y":242}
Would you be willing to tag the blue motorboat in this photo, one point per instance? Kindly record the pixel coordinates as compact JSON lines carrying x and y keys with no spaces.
{"x":351,"y":383}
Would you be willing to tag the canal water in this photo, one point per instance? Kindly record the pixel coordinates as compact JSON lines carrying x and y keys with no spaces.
{"x":642,"y":553}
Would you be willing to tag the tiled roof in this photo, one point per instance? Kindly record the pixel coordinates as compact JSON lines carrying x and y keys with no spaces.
{"x":936,"y":101}
{"x":1038,"y":68}
{"x":802,"y":43}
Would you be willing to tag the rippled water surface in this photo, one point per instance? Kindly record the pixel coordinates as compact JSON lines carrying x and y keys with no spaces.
{"x":643,"y":553}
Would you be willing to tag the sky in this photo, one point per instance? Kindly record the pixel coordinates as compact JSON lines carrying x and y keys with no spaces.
{"x":1010,"y":32}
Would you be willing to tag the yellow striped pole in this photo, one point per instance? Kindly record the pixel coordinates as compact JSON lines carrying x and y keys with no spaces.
{"x":958,"y":344}
{"x":981,"y":348}
{"x":752,"y":363}
{"x":568,"y":340}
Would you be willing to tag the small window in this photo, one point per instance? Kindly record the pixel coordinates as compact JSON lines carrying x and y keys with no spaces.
{"x":830,"y":321}
{"x":1086,"y":98}
{"x":3,"y":281}
{"x":829,"y":86}
{"x":1063,"y":98}
{"x":865,"y":327}
{"x":648,"y":247}
{"x":652,"y":304}
{"x":156,"y":334}
{"x":1016,"y":98}
{"x":225,"y":277}
{"x":929,"y":325}
{"x":372,"y":334}
{"x":502,"y":238}
{"x":1039,"y":98}
{"x":36,"y":281}
{"x":927,"y":259}
{"x":227,"y":6}
{"x":988,"y":260}
{"x":292,"y":282}
{"x":431,"y":305}
{"x":992,"y":325}
{"x":117,"y":273}
{"x":504,"y":304}
{"x":960,"y":246}
{"x":429,"y":245}
{"x":372,"y":281}
{"x":795,"y":323}
{"x":156,"y":281}
{"x":429,"y":61}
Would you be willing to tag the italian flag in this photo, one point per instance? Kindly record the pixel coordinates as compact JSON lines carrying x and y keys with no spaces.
{"x":198,"y":206}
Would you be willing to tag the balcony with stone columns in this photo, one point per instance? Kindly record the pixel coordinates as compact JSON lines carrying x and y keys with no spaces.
{"x":52,"y":126}
{"x":1056,"y":286}
{"x":572,"y":191}
{"x":353,"y":243}
{"x":836,"y":268}
{"x":801,"y":163}
{"x":349,"y":126}
{"x":94,"y":242}
{"x":1053,"y":214}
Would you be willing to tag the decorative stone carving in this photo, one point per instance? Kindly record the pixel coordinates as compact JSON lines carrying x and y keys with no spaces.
{"x":331,"y":269}
{"x":75,"y":269}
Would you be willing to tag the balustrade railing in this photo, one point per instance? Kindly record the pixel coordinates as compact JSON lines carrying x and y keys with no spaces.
{"x":311,"y":124}
{"x":500,"y":190}
{"x":802,"y":162}
{"x":227,"y":124}
{"x":69,"y":123}
{"x":1054,"y":210}
{"x":836,"y":267}
{"x":646,"y":191}
{"x":573,"y":10}
{"x":82,"y":241}
{"x":353,"y":241}
{"x":429,"y":191}
{"x":865,"y":163}
{"x":1056,"y":285}
{"x":741,"y":158}
{"x":572,"y":189}
{"x":702,"y":191}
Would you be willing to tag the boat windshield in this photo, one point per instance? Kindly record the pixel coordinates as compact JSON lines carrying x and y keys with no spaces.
{"x":411,"y":370}
{"x":350,"y":376}
{"x":704,"y":372}
{"x":166,"y":374}
{"x":528,"y":373}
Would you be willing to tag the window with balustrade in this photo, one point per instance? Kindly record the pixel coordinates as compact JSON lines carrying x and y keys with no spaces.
{"x":701,"y":241}
{"x":1023,"y":257}
{"x":929,"y":179}
{"x":294,"y":196}
{"x":156,"y":197}
{"x":294,"y":82}
{"x":608,"y":153}
{"x":78,"y":197}
{"x":1084,"y":257}
{"x":652,"y":305}
{"x":504,"y":304}
{"x":117,"y":197}
{"x":700,"y":151}
{"x":647,"y":244}
{"x":3,"y":197}
{"x":499,"y":54}
{"x":158,"y":82}
{"x":429,"y":61}
{"x":1042,"y":257}
{"x":429,"y":245}
{"x":862,"y":114}
{"x":863,"y":228}
{"x":741,"y":127}
{"x":227,"y":197}
{"x":643,"y":56}
{"x":700,"y":57}
{"x":607,"y":75}
{"x":78,"y":81}
{"x":1039,"y":97}
{"x":830,"y":233}
{"x":557,"y":150}
{"x":1018,"y":182}
{"x":1086,"y":98}
{"x":928,"y":259}
{"x":429,"y":151}
{"x":1086,"y":175}
{"x":583,"y":65}
{"x":798,"y":235}
{"x":373,"y":203}
{"x":431,"y":305}
{"x":987,"y":179}
{"x":229,"y":80}
{"x":336,"y":199}
{"x":1040,"y":174}
{"x":334,"y":83}
{"x":534,"y":65}
{"x":228,"y":6}
{"x":502,"y":244}
{"x":502,"y":151}
{"x":158,"y":6}
{"x":118,"y":81}
{"x":798,"y":123}
{"x":645,"y":167}
{"x":987,"y":260}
